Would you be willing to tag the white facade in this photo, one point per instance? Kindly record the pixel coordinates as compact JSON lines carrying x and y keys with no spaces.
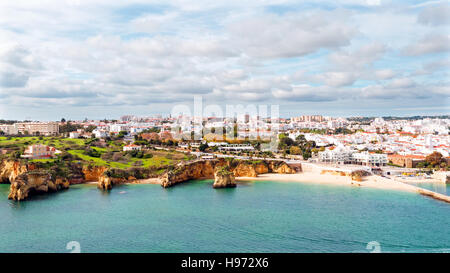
{"x":131,"y":147}
{"x":74,"y":135}
{"x":344,"y":156}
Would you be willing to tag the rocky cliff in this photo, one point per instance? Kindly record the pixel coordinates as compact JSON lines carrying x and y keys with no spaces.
{"x":206,"y":169}
{"x":11,"y":169}
{"x":35,"y":182}
{"x":93,"y":173}
{"x":280,"y":167}
{"x":193,"y":170}
{"x":223,"y":178}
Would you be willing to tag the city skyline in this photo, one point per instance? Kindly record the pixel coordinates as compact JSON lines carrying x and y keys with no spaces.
{"x":103,"y":59}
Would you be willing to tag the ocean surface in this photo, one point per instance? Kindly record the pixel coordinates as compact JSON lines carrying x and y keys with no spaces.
{"x":433,"y":186}
{"x":254,"y":217}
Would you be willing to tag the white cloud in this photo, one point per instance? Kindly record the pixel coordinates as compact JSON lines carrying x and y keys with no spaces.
{"x":273,"y":36}
{"x":384,"y":74}
{"x":337,"y":79}
{"x":435,"y":15}
{"x":435,"y":43}
{"x":111,"y":53}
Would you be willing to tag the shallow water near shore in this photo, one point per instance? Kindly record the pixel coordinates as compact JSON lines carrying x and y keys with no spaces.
{"x":254,"y":217}
{"x":438,"y":187}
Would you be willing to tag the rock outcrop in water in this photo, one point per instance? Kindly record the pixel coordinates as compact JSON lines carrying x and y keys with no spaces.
{"x":35,"y":182}
{"x":223,"y":178}
{"x":205,"y":169}
{"x":113,"y":176}
{"x":106,"y":182}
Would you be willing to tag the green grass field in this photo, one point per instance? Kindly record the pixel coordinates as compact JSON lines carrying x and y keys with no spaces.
{"x":76,"y":147}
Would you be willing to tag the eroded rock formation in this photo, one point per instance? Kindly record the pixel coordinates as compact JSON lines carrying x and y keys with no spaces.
{"x":205,"y":169}
{"x":35,"y":182}
{"x":223,"y":178}
{"x":93,"y":173}
{"x":11,"y":169}
{"x":189,"y":171}
{"x":106,"y":182}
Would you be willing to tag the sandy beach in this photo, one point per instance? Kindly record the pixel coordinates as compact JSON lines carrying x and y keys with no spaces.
{"x":373,"y":181}
{"x":147,"y":181}
{"x":370,"y":181}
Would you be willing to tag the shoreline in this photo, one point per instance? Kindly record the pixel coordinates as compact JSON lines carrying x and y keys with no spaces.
{"x":374,"y":181}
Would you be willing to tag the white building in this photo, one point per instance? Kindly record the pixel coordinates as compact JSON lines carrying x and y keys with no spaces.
{"x":131,"y":147}
{"x":368,"y":159}
{"x":100,"y":133}
{"x":74,"y":135}
{"x":8,"y":129}
{"x":342,"y":155}
{"x":116,"y":128}
{"x":339,"y":155}
{"x":236,"y":148}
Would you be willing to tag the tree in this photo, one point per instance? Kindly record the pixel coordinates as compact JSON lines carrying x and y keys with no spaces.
{"x":294,"y":150}
{"x":90,"y":128}
{"x":68,"y":127}
{"x":306,"y":154}
{"x":300,"y":138}
{"x":203,"y":147}
{"x":63,"y":120}
{"x":434,"y":159}
{"x":285,"y":142}
{"x":122,"y":134}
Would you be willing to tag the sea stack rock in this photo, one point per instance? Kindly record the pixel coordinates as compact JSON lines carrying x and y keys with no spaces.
{"x":223,"y":178}
{"x":104,"y":183}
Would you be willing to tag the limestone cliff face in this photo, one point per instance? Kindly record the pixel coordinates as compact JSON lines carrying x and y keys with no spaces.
{"x":206,"y":169}
{"x":93,"y":173}
{"x":189,"y":171}
{"x":35,"y":182}
{"x":11,"y":169}
{"x":280,"y":167}
{"x":223,"y":178}
{"x":247,"y":170}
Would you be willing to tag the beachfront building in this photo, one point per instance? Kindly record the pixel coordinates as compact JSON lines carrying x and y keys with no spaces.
{"x":339,"y":155}
{"x":131,"y":147}
{"x":343,"y":155}
{"x":40,"y":151}
{"x":369,"y":159}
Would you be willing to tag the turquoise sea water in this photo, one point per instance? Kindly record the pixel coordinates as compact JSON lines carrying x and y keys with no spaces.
{"x":434,"y":186}
{"x":254,"y":217}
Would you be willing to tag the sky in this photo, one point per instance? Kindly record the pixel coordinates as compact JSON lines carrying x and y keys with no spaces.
{"x":106,"y":58}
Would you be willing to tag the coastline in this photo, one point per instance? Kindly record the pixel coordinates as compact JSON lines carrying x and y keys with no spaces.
{"x":373,"y":181}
